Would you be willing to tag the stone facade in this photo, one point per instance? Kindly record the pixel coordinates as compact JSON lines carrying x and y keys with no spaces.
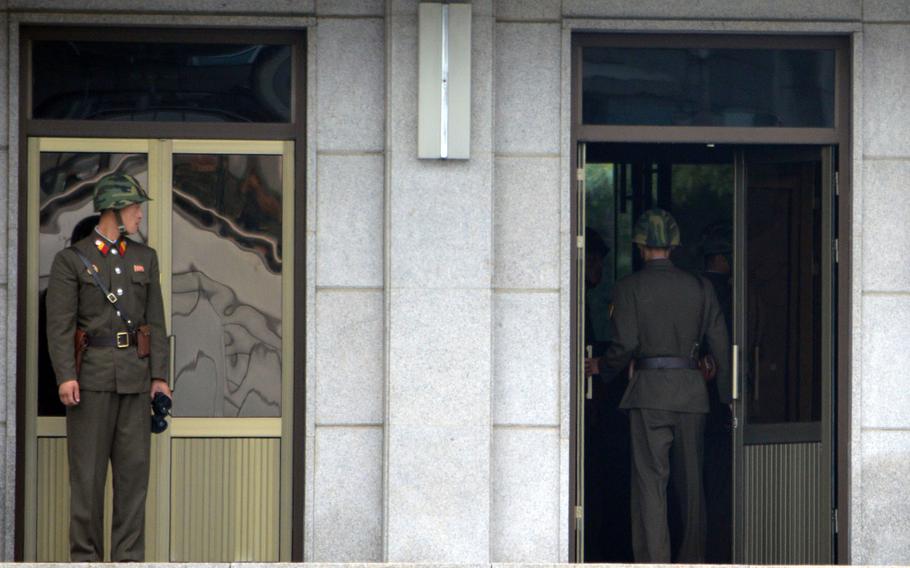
{"x":437,"y":293}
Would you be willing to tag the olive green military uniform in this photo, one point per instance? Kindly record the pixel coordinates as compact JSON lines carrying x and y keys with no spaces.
{"x":661,"y":311}
{"x":111,"y":422}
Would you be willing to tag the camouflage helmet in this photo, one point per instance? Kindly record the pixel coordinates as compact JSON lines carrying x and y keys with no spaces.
{"x":717,"y":238}
{"x":118,"y":190}
{"x":656,"y":228}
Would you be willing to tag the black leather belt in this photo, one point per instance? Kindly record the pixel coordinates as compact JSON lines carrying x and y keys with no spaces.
{"x":666,"y":363}
{"x":120,"y":340}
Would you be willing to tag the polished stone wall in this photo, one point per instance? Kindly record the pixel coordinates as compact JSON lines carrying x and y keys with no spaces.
{"x":438,"y":292}
{"x":345,"y":379}
{"x":881,"y":405}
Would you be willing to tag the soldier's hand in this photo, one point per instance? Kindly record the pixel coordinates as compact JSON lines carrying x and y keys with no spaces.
{"x":69,"y":392}
{"x":592,"y":366}
{"x":160,"y":385}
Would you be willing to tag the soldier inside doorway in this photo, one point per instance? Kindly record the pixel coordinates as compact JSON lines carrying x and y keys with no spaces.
{"x":660,"y":318}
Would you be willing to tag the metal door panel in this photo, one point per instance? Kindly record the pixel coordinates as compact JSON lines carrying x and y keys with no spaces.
{"x":781,"y":505}
{"x":783,"y":443}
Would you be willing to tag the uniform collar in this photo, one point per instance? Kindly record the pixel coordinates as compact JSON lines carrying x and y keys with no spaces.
{"x":104,"y":245}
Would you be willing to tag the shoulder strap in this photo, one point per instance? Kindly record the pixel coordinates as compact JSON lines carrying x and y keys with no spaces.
{"x":111,"y":297}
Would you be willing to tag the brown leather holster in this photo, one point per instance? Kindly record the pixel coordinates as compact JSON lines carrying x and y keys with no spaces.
{"x":143,"y":341}
{"x":707,"y":364}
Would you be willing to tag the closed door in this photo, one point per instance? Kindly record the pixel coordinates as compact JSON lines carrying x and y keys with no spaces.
{"x":220,"y":219}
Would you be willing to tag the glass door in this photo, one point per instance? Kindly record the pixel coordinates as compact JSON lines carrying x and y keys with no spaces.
{"x":221,"y":221}
{"x":228,"y":218}
{"x":784,"y":356}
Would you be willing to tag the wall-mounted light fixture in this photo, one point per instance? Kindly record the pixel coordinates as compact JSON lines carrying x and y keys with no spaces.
{"x":444,"y":75}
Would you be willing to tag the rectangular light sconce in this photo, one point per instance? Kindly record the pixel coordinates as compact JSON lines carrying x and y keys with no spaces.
{"x":444,"y":76}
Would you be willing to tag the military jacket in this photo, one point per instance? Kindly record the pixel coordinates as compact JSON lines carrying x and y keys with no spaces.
{"x":656,"y":314}
{"x":73,"y":300}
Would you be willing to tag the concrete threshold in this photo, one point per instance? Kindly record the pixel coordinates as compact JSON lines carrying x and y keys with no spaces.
{"x":389,"y":565}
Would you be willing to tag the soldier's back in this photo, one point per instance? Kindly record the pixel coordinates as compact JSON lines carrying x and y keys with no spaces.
{"x":668,"y":305}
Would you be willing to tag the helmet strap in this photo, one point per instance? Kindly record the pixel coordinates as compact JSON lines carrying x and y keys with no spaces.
{"x":120,"y":226}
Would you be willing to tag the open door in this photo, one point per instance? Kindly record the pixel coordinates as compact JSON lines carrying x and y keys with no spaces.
{"x":582,"y":382}
{"x":769,"y":475}
{"x":783,"y":356}
{"x":616,"y":183}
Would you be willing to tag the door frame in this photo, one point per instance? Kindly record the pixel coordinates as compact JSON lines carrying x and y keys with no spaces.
{"x":160,"y":155}
{"x":840,"y":136}
{"x":293,"y":131}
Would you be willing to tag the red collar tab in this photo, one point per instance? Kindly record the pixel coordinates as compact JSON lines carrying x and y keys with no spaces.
{"x":104,"y":247}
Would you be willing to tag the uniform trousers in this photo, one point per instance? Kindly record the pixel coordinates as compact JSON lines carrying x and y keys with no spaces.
{"x":667,"y":446}
{"x":108,"y":427}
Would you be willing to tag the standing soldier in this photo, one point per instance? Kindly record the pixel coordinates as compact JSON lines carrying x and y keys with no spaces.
{"x":660,"y":316}
{"x":107,"y":286}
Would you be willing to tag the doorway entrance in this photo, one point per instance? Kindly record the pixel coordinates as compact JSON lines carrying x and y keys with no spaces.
{"x":221,"y":220}
{"x":759,"y":223}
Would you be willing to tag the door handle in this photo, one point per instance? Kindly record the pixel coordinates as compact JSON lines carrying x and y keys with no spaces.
{"x":589,"y":390}
{"x":172,"y":360}
{"x":736,"y":372}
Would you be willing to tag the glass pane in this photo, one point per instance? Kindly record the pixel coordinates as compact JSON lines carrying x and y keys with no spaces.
{"x":226,"y":288}
{"x":784,"y":293}
{"x":88,"y":80}
{"x":708,"y":87}
{"x":66,"y":186}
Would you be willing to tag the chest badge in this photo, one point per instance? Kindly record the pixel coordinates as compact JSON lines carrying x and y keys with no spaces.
{"x":95,"y":267}
{"x":138,"y":268}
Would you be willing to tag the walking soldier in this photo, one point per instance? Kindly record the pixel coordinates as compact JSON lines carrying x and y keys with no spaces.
{"x":660,"y":316}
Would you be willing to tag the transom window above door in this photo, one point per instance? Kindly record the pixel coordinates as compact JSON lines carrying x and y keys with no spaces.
{"x":709,"y":87}
{"x":178,"y":82}
{"x":708,"y":81}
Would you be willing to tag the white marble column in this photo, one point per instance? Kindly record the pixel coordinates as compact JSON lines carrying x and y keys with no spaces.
{"x":881,"y":410}
{"x":528,"y":440}
{"x":439,"y":318}
{"x":345,"y":421}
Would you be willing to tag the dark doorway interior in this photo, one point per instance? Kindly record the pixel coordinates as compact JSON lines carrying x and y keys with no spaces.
{"x":696,"y":184}
{"x":776,"y":317}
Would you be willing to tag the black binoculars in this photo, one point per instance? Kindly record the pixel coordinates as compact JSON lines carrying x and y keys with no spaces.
{"x":161,"y":408}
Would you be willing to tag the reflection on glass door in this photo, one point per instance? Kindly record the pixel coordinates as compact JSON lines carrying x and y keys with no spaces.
{"x":221,"y":220}
{"x":226,"y":284}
